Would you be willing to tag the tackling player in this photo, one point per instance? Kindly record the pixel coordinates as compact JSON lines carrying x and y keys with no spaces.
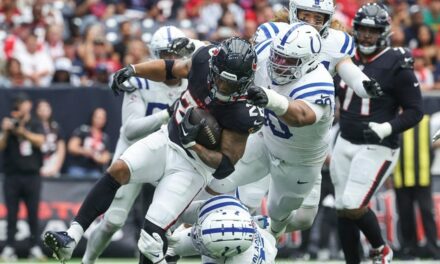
{"x":367,"y":149}
{"x":141,"y":116}
{"x":224,"y":232}
{"x":218,"y":77}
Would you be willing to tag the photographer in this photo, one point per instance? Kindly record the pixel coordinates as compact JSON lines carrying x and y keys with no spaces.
{"x":20,"y":139}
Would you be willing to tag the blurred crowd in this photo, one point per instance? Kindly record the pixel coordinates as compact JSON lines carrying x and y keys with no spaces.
{"x":47,"y":43}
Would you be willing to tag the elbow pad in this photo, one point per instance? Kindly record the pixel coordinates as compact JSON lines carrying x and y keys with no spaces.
{"x":224,"y":169}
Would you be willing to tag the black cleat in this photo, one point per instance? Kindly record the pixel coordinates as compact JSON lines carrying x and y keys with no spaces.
{"x":61,"y":244}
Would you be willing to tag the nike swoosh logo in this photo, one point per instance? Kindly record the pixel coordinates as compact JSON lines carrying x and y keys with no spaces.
{"x":257,"y":123}
{"x":301,"y":182}
{"x":416,"y":84}
{"x":154,"y":255}
{"x":184,"y":132}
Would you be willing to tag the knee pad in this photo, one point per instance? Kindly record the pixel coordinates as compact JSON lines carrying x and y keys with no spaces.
{"x":116,"y":217}
{"x":251,"y":197}
{"x":302,"y":219}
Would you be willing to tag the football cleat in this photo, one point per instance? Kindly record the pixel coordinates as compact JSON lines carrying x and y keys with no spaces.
{"x":61,"y":244}
{"x":8,"y":254}
{"x":36,"y":253}
{"x":382,"y":255}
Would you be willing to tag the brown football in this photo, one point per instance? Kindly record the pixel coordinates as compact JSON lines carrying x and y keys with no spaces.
{"x":209,"y":136}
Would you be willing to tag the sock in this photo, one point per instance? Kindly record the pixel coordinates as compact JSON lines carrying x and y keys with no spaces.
{"x":75,"y":231}
{"x":278,"y":226}
{"x":98,"y":241}
{"x":350,"y":240}
{"x":97,"y":201}
{"x":369,"y":225}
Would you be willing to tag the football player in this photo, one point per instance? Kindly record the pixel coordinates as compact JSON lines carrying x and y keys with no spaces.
{"x":336,"y":53}
{"x":144,"y":110}
{"x":224,"y":232}
{"x":299,"y":113}
{"x":218,"y":78}
{"x":367,"y":148}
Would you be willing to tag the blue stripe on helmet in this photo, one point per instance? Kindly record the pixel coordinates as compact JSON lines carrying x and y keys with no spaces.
{"x":219,"y":205}
{"x":228,"y":230}
{"x":263,"y":47}
{"x":274,"y":27}
{"x":346,"y":41}
{"x":169,"y":34}
{"x":284,"y":40}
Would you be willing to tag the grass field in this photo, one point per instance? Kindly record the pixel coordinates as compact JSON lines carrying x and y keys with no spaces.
{"x":192,"y":261}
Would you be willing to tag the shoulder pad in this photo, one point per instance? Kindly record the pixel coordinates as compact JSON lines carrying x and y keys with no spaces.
{"x":341,"y":41}
{"x":202,"y":54}
{"x":403,"y":57}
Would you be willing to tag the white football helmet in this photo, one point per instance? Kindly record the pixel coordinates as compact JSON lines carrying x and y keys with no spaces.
{"x":268,"y":30}
{"x":162,"y":38}
{"x":293,"y":53}
{"x":320,"y":6}
{"x":224,"y":228}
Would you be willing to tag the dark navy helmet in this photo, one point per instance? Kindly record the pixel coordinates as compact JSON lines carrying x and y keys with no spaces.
{"x":374,"y":16}
{"x":233,"y":62}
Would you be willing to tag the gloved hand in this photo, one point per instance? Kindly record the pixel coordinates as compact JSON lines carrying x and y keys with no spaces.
{"x":120,"y":77}
{"x":257,"y":96}
{"x":172,"y":107}
{"x":187,"y":131}
{"x":372,"y":87}
{"x":183,"y":47}
{"x":151,"y":247}
{"x":376,"y":132}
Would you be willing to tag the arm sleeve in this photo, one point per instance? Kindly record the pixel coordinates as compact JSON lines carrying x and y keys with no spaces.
{"x":408,"y":95}
{"x":353,"y":77}
{"x":319,"y":110}
{"x":135,"y":123}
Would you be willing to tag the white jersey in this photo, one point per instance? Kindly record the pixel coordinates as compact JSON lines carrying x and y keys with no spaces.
{"x":336,"y":46}
{"x":306,"y":145}
{"x":149,"y":98}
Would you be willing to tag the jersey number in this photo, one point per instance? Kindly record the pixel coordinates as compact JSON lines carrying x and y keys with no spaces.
{"x":278,"y":128}
{"x":152,"y":106}
{"x":349,"y":93}
{"x":186,"y":101}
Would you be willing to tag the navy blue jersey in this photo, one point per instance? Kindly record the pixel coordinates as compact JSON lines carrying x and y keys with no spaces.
{"x":392,"y":68}
{"x":236,"y":116}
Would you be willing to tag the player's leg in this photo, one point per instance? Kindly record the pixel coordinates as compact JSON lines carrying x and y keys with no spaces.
{"x":370,"y":167}
{"x":139,"y":158}
{"x":114,"y":219}
{"x":348,"y":231}
{"x":174,"y":193}
{"x":289,"y":186}
{"x":303,"y":217}
{"x":252,"y":194}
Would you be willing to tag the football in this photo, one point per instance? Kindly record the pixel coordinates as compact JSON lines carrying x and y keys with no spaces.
{"x":209,"y":136}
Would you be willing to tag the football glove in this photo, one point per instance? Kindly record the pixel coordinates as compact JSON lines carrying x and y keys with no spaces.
{"x":376,"y":132}
{"x":151,"y":246}
{"x":120,"y":77}
{"x":372,"y":87}
{"x":187,"y":131}
{"x":257,"y":96}
{"x":182,"y":47}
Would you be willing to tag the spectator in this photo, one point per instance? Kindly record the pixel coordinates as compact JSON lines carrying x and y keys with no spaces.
{"x":211,"y":13}
{"x":14,"y":76}
{"x":97,"y":8}
{"x":89,"y":146}
{"x":62,"y":75}
{"x":54,"y":42}
{"x":426,"y":42}
{"x":137,"y":52}
{"x":398,"y":37}
{"x":412,"y":184}
{"x":20,"y":140}
{"x":36,"y":64}
{"x":227,"y":27}
{"x":9,"y":14}
{"x":423,"y":73}
{"x":54,"y":147}
{"x":432,"y":15}
{"x":411,"y":30}
{"x":77,"y":72}
{"x":125,"y":36}
{"x":101,"y":75}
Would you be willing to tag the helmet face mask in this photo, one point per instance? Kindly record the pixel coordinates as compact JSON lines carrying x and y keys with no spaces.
{"x":293,"y":53}
{"x":322,"y":7}
{"x":372,"y":22}
{"x":232,"y":69}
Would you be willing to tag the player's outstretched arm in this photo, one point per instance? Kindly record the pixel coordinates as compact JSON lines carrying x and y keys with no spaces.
{"x":357,"y":80}
{"x":295,"y":113}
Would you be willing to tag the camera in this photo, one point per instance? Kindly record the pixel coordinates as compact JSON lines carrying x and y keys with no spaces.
{"x":15,"y":122}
